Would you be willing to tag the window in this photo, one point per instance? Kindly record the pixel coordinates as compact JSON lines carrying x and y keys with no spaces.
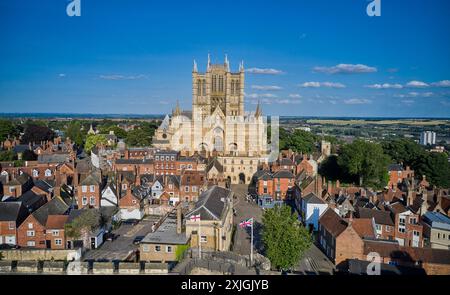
{"x":172,"y":158}
{"x":194,"y":189}
{"x":378,"y":227}
{"x":35,"y":173}
{"x":388,"y":228}
{"x":55,"y":233}
{"x":84,"y":188}
{"x":203,"y":239}
{"x":92,"y":188}
{"x":158,"y":248}
{"x":84,"y":201}
{"x":92,"y":201}
{"x":412,"y":220}
{"x":186,"y":188}
{"x":416,"y":233}
{"x":145,"y":248}
{"x":169,"y":249}
{"x":31,"y":244}
{"x":402,"y":221}
{"x":157,"y":158}
{"x":58,"y":242}
{"x":48,"y":172}
{"x":401,"y":229}
{"x":30,"y":225}
{"x":30,"y":233}
{"x":11,"y":225}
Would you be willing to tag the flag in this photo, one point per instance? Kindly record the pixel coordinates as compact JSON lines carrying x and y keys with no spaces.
{"x":195,"y":217}
{"x":246,"y":223}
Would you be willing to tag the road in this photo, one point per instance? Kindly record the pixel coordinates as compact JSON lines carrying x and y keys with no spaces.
{"x":245,"y":210}
{"x":123,"y":246}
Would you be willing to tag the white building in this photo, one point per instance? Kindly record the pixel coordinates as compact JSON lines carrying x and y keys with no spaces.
{"x":427,"y":138}
{"x":312,"y":207}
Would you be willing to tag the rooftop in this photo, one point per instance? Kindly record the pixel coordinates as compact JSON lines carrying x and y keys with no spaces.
{"x":166,"y":233}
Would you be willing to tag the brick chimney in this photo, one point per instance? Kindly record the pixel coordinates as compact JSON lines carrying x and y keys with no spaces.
{"x":179,"y":219}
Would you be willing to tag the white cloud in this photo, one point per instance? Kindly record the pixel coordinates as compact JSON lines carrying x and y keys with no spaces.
{"x":443,"y":83}
{"x":62,"y":75}
{"x":357,"y":101}
{"x":416,"y":84}
{"x":264,"y":71}
{"x":295,"y":95}
{"x":332,"y":101}
{"x":385,"y":86}
{"x":261,"y":95}
{"x":122,"y":77}
{"x":345,"y":69}
{"x":408,"y":101}
{"x":266,"y":87}
{"x":414,"y":94}
{"x":322,"y":84}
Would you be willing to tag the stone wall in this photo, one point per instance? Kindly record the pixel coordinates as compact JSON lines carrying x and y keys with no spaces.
{"x":41,"y":254}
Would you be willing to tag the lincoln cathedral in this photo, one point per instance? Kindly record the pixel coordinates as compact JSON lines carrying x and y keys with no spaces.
{"x":218,"y":124}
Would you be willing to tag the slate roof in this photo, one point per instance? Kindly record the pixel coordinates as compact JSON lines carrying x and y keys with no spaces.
{"x":54,"y":158}
{"x":214,"y":163}
{"x":395,"y":167}
{"x":134,"y":161}
{"x":332,"y":222}
{"x":381,"y":217}
{"x":20,"y":180}
{"x":90,"y":180}
{"x":9,"y":211}
{"x":211,"y":204}
{"x":166,"y":233}
{"x":29,"y":199}
{"x":397,"y":208}
{"x":45,"y":185}
{"x":55,"y":207}
{"x":283,"y":174}
{"x":311,"y":198}
{"x":437,"y":220}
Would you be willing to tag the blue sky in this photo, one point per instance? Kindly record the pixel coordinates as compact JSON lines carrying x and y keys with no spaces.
{"x":308,"y":58}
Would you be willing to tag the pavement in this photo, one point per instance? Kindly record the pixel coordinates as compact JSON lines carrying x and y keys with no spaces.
{"x":122,"y":247}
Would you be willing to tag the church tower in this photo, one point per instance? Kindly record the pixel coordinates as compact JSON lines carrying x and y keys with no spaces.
{"x":218,"y":87}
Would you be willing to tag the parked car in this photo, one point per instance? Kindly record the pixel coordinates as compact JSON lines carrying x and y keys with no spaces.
{"x":137,"y":240}
{"x":8,"y":246}
{"x":111,"y":236}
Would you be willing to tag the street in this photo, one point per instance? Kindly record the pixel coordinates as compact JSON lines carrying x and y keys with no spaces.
{"x":123,"y":246}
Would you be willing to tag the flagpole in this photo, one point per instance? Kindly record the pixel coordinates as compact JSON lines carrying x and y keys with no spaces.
{"x":199,"y":241}
{"x":251,"y":247}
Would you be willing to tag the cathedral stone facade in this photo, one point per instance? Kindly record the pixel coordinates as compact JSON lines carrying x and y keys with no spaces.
{"x":218,"y":124}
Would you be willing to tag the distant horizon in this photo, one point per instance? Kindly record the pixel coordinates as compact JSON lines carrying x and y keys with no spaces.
{"x":131,"y":115}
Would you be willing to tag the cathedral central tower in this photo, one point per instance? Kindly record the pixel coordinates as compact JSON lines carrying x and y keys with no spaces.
{"x":219,"y":88}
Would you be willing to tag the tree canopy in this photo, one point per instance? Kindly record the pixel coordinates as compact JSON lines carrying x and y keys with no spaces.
{"x":73,"y":132}
{"x":298,"y":141}
{"x":7,"y":129}
{"x":93,"y":140}
{"x":366,"y":161}
{"x":88,"y":220}
{"x":36,"y":133}
{"x":139,"y":137}
{"x":284,"y":238}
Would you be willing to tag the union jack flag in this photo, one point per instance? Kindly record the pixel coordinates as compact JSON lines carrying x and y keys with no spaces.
{"x":246,"y":223}
{"x":195,"y":217}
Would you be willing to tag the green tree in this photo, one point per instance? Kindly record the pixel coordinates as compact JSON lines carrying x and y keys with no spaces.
{"x":139,"y":137}
{"x":366,"y":161}
{"x":85,"y":222}
{"x":35,"y":133}
{"x":93,"y":140}
{"x":285,"y":239}
{"x":436,"y":167}
{"x":7,"y":156}
{"x":29,"y":155}
{"x":298,"y":141}
{"x":179,"y":252}
{"x":7,"y":129}
{"x":73,"y":131}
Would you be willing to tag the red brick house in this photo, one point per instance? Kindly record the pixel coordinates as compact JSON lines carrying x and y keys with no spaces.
{"x":18,"y":186}
{"x":89,"y":192}
{"x":192,"y":185}
{"x":55,"y":231}
{"x":166,"y":162}
{"x":397,"y":174}
{"x":12,"y":214}
{"x":32,"y":232}
{"x":408,"y":231}
{"x":342,"y":239}
{"x":278,"y":185}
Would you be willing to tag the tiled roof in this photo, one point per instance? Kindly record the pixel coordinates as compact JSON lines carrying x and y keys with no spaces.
{"x":56,"y":221}
{"x":381,"y":217}
{"x":364,"y":227}
{"x":332,"y":222}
